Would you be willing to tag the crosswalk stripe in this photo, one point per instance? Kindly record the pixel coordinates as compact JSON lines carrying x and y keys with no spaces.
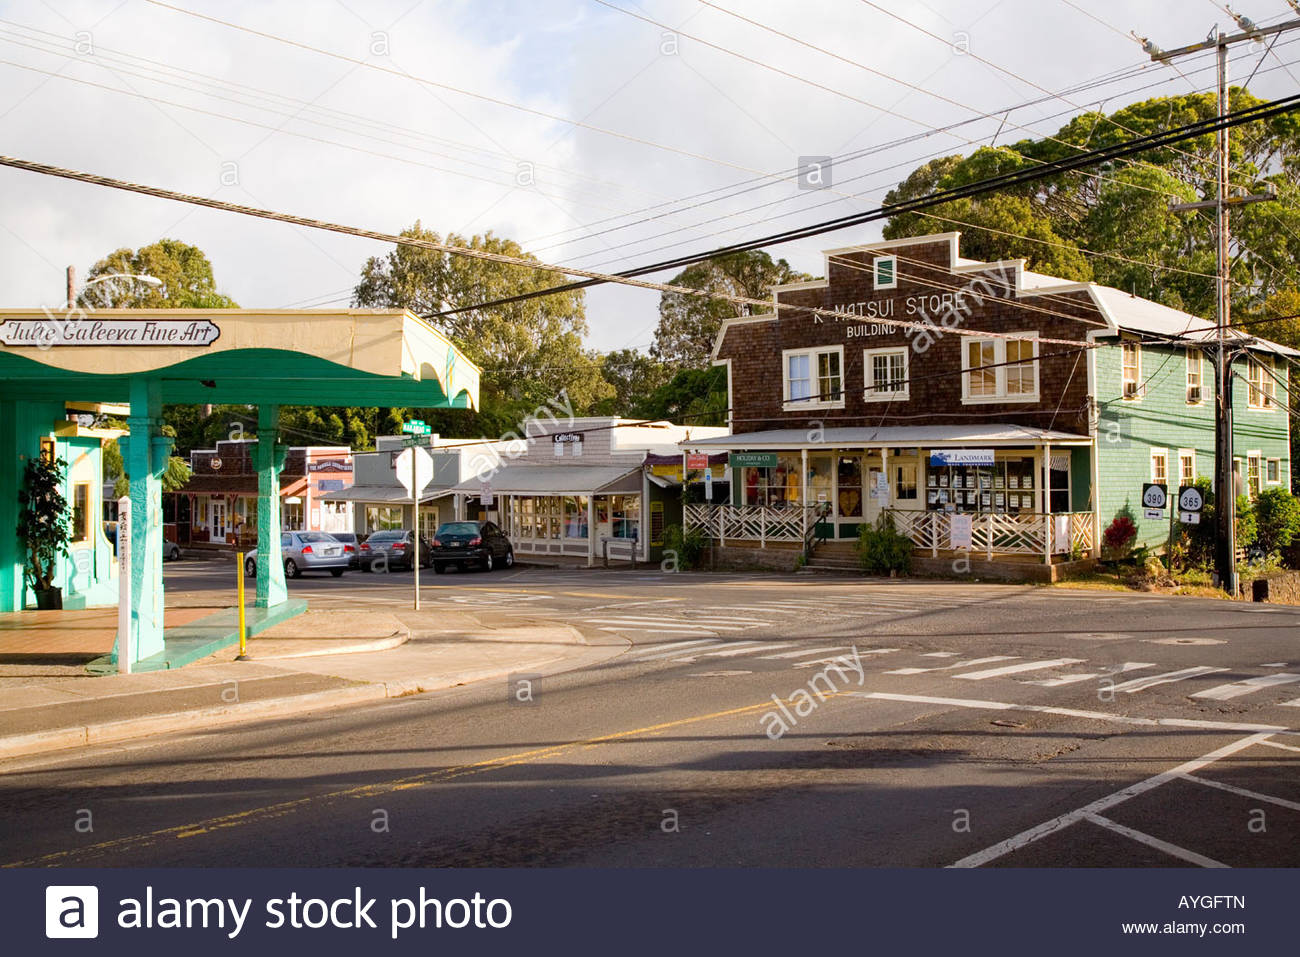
{"x":1017,"y":669}
{"x":648,"y":649}
{"x":671,"y":630}
{"x":732,"y":650}
{"x":655,"y":622}
{"x":807,"y":651}
{"x":940,"y":654}
{"x":680,"y":625}
{"x":961,"y":664}
{"x":1072,"y":679}
{"x":1238,"y":688}
{"x":1291,"y":704}
{"x":680,"y":651}
{"x":1150,"y":681}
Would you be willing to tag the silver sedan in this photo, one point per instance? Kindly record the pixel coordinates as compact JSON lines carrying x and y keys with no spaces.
{"x":306,"y":552}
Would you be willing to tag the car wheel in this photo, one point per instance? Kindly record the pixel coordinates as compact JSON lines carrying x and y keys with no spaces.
{"x":510,"y":558}
{"x":488,"y":562}
{"x":291,"y":569}
{"x":336,"y":572}
{"x":250,"y":568}
{"x":173,"y":553}
{"x":439,"y":568}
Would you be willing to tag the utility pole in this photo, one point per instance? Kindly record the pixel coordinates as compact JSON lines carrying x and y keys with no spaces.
{"x":1224,"y":482}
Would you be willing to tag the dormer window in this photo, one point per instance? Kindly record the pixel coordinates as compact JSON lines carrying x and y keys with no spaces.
{"x":885,"y":272}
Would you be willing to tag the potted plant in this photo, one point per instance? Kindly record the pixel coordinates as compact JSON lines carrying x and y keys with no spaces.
{"x":43,"y":526}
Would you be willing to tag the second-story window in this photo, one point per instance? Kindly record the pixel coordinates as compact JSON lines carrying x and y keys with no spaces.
{"x":1262,"y":386}
{"x":1000,"y":369}
{"x":1195,"y":369}
{"x":1131,"y":363}
{"x":814,"y":377}
{"x":886,"y":374}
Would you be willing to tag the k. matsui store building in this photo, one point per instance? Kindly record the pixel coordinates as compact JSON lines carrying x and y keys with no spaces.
{"x":989,"y":410}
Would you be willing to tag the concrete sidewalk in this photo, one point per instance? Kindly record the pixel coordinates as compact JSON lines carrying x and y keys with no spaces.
{"x":390,"y":654}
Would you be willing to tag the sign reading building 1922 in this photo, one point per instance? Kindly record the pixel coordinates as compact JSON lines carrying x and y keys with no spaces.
{"x":72,"y":331}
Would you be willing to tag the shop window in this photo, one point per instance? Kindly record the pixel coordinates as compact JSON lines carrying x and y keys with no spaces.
{"x":814,"y":378}
{"x":905,"y":483}
{"x":291,"y":516}
{"x":1131,"y":368}
{"x":575,"y":516}
{"x":80,"y":512}
{"x":625,"y":515}
{"x":383,"y":518}
{"x":885,"y":272}
{"x":1273,"y":472}
{"x":1195,"y":371}
{"x":775,"y":486}
{"x":1262,"y":386}
{"x":886,"y":374}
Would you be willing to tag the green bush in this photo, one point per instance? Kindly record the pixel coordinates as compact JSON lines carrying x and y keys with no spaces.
{"x":1277,"y":515}
{"x":882,"y":548}
{"x":688,"y":546}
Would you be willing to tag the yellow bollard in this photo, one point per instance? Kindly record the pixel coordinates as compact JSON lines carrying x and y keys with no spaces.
{"x":239,"y":588}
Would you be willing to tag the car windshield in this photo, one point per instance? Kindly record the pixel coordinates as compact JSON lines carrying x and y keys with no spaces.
{"x":459,"y":528}
{"x":316,"y":537}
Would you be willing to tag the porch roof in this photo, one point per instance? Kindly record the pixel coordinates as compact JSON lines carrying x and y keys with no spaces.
{"x":889,"y":436}
{"x":557,"y":480}
{"x":381,"y":495}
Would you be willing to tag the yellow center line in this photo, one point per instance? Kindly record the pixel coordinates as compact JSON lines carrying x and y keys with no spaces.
{"x":239,"y":818}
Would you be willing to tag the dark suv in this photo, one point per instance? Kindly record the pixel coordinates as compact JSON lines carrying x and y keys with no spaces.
{"x":392,"y":548}
{"x":471,"y":543}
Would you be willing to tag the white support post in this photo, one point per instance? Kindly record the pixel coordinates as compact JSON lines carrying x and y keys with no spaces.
{"x":124,"y":643}
{"x":1047,"y":504}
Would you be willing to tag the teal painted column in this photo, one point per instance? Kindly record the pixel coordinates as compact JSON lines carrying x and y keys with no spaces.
{"x":269,"y":460}
{"x":11,"y":475}
{"x":144,"y":455}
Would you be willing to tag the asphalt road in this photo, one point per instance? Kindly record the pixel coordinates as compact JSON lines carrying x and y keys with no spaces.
{"x":740,"y":720}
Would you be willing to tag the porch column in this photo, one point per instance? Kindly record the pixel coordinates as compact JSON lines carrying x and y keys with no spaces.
{"x":803,"y":489}
{"x":1094,"y":497}
{"x":144,"y":455}
{"x":1047,"y":504}
{"x":591,"y":531}
{"x":884,"y":470}
{"x":269,"y":461}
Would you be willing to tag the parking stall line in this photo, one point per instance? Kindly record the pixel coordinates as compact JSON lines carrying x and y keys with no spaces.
{"x":1244,"y":792}
{"x":1173,"y":850}
{"x":1238,"y":688}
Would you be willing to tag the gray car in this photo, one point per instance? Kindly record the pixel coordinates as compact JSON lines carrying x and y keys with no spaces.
{"x":392,"y":548}
{"x":306,"y":552}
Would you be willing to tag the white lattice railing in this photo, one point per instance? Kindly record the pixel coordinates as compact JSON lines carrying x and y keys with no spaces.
{"x":1021,"y":533}
{"x":755,"y":523}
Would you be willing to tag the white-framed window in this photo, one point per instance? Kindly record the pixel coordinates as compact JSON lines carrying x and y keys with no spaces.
{"x":1131,"y":368}
{"x":1160,"y":467}
{"x":1273,"y":472}
{"x":905,"y":483}
{"x":884,"y":272}
{"x":1195,"y":380}
{"x":1000,"y":370}
{"x":886,"y":374}
{"x":814,"y":378}
{"x":1186,"y":467}
{"x":1262,"y":387}
{"x":1253,"y":473}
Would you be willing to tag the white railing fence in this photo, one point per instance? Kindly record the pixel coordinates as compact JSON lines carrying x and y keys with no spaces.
{"x":754,"y":523}
{"x":1020,"y":533}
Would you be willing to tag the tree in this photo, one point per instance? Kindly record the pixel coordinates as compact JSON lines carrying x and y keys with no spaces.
{"x":531,"y":352}
{"x":634,"y":377}
{"x":1277,"y":514}
{"x":688,"y":325}
{"x":185,"y":272}
{"x":174,"y":477}
{"x":691,"y":397}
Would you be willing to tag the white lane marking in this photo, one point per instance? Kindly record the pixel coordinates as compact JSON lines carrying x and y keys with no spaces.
{"x":1238,"y":688}
{"x":732,"y":650}
{"x":1017,"y":841}
{"x":649,"y":649}
{"x":1150,"y":681}
{"x":1274,"y":664}
{"x":840,"y":659}
{"x":717,"y":674}
{"x":713,"y":643}
{"x":652,"y":623}
{"x":673,"y":630}
{"x":1072,"y":679}
{"x":1291,"y":704}
{"x":940,"y":654}
{"x":802,"y":652}
{"x":1017,"y":669}
{"x":1173,"y":850}
{"x":978,"y":704}
{"x":1244,"y":792}
{"x":1281,"y":746}
{"x":1185,"y":641}
{"x":969,"y":663}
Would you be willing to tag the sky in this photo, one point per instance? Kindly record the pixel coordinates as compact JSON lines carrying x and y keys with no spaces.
{"x":601,"y":134}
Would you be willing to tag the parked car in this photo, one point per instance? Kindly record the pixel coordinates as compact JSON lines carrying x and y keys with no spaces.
{"x":393,"y":548}
{"x":171,"y":551}
{"x":351,"y":547}
{"x":305,"y":552}
{"x":471,"y":543}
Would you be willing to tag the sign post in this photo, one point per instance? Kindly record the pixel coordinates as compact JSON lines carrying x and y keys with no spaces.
{"x":124,"y":585}
{"x":417,"y":430}
{"x":1190,"y":503}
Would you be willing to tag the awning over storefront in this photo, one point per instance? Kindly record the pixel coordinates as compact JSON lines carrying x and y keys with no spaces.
{"x":380,"y":495}
{"x":558,"y":480}
{"x":891,"y":436}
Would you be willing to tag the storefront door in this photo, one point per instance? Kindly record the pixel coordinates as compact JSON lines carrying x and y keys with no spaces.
{"x":218,"y":521}
{"x":850,"y":495}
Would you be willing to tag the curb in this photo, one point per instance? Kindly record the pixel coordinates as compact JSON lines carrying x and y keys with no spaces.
{"x":375,"y":644}
{"x":61,"y":739}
